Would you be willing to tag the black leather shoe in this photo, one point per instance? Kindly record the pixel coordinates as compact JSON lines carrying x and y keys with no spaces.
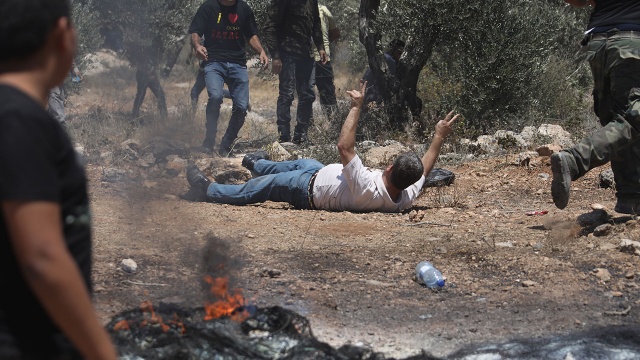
{"x":249,"y":160}
{"x":197,"y":179}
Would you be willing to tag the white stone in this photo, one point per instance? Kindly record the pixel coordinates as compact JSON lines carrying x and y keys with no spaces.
{"x":128,"y":265}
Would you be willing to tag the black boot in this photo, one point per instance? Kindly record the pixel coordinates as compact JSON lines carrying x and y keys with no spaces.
{"x":249,"y":160}
{"x":197,"y":179}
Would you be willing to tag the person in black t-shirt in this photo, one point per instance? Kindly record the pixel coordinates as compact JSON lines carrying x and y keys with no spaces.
{"x":45,"y":227}
{"x":612,"y":45}
{"x":226,"y":25}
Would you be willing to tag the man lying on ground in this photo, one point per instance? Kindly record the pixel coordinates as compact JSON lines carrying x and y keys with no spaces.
{"x":350,"y":186}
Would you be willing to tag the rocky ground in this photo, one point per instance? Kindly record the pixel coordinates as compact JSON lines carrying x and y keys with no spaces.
{"x":509,"y":274}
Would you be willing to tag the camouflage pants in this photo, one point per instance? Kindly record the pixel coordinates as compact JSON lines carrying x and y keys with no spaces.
{"x":615,"y":65}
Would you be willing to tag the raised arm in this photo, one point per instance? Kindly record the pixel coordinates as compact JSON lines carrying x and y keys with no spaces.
{"x":443,"y":128}
{"x":347,"y":139}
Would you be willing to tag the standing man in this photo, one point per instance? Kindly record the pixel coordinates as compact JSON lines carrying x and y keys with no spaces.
{"x":290,"y":27}
{"x":323,"y":71}
{"x":226,"y":26}
{"x":392,"y":57}
{"x":612,"y":44}
{"x":45,"y":223}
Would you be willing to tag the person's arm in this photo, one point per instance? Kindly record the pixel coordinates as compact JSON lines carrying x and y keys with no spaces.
{"x":257,"y":47}
{"x":443,"y":128}
{"x":275,"y":15}
{"x":334,"y":31}
{"x":347,"y":139}
{"x":317,"y":32}
{"x":36,"y":235}
{"x":580,"y":3}
{"x":201,"y":51}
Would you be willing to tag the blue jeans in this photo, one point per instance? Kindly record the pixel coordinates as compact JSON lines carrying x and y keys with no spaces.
{"x":282,"y":181}
{"x":296,"y":74}
{"x":200,"y":85}
{"x":235,"y":75}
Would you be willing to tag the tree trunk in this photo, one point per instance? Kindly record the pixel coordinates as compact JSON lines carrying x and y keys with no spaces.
{"x":398,"y":91}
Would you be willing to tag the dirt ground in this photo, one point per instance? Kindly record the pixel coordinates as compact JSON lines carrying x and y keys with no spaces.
{"x":508,"y":274}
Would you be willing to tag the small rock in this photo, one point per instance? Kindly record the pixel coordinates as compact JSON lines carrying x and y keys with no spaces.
{"x":630,"y":247}
{"x":617,"y":294}
{"x":128,"y":265}
{"x":606,"y":179}
{"x":543,"y":176}
{"x":507,"y":244}
{"x":272,"y":273}
{"x":602,"y":274}
{"x":548,"y":149}
{"x":598,"y":207}
{"x":603,"y":230}
{"x":630,"y":275}
{"x":608,"y":246}
{"x":529,"y":283}
{"x":251,"y":236}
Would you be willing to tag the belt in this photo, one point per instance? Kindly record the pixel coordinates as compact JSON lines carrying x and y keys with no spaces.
{"x":312,"y":206}
{"x":611,"y":35}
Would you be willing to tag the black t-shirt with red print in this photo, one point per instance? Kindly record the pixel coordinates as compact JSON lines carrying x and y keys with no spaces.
{"x":226,"y":29}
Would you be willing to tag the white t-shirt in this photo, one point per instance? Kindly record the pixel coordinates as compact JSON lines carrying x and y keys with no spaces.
{"x":358,"y":188}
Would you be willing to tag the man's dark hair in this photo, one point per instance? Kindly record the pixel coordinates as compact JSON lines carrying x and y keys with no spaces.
{"x":407,"y":169}
{"x":25,"y":25}
{"x":395,"y":44}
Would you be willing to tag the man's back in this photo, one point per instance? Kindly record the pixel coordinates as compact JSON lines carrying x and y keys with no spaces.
{"x":294,"y":24}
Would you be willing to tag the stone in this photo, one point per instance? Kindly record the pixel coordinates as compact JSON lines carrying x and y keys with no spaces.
{"x":529,"y":283}
{"x":175,"y":165}
{"x":630,"y":247}
{"x":278,"y":152}
{"x":606,"y":179}
{"x":129,"y":266}
{"x":603,"y":230}
{"x":271,"y":273}
{"x":548,"y":149}
{"x":111,"y":174}
{"x":132,"y":148}
{"x":594,"y":218}
{"x":382,"y":156}
{"x":602,"y":274}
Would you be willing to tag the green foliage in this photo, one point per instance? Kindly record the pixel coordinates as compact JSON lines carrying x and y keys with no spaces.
{"x":150,"y":28}
{"x":85,"y":17}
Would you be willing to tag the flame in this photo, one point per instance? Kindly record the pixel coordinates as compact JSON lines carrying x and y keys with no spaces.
{"x":121,"y":325}
{"x":147,"y":307}
{"x":230,"y":304}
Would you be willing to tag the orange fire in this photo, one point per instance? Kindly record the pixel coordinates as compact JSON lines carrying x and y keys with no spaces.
{"x":121,"y":325}
{"x":147,"y":307}
{"x":230,"y":304}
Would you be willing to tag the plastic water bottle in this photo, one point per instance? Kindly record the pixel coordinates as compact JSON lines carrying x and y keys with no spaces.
{"x":429,"y":275}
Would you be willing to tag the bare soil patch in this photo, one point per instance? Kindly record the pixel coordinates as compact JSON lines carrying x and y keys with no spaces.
{"x":508,"y":274}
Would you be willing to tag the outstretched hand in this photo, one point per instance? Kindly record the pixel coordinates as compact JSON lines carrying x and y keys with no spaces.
{"x":357,"y":97}
{"x":444,"y":126}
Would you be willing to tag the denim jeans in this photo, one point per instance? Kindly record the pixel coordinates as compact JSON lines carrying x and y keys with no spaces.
{"x":235,"y":75}
{"x":296,"y":75}
{"x":199,"y":85}
{"x":282,"y":181}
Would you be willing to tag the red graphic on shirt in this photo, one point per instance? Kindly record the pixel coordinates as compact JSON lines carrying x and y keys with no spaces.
{"x":233,"y":18}
{"x":225,"y":35}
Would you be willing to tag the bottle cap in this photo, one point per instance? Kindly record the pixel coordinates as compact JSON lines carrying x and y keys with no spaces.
{"x":440,"y":283}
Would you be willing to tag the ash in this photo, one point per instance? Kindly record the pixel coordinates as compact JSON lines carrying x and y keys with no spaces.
{"x":278,"y":333}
